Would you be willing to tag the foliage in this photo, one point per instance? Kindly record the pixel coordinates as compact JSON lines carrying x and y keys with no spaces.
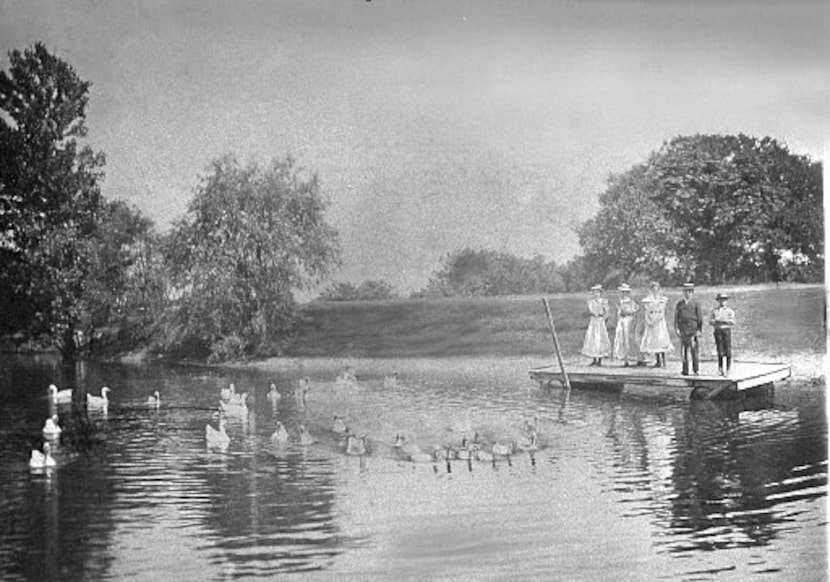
{"x":252,"y":236}
{"x":472,"y":272}
{"x":49,"y":195}
{"x":712,"y":208}
{"x":369,"y":290}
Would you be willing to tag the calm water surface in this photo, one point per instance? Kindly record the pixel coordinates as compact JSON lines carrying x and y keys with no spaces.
{"x":622,"y":488}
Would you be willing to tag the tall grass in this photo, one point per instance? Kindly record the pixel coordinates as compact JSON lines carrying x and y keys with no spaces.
{"x":772,"y":323}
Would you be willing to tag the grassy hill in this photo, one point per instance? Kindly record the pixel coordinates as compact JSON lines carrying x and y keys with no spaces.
{"x":772,"y":321}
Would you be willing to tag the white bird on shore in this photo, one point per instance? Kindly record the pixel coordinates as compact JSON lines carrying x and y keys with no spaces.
{"x":99,"y":402}
{"x":391,"y":381}
{"x":274,"y":395}
{"x":59,"y":396}
{"x":51,"y":428}
{"x":42,"y":460}
{"x":154,"y":401}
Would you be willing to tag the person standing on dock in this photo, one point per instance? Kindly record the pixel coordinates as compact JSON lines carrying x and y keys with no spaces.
{"x":626,"y":346}
{"x":597,"y":344}
{"x":723,"y":320}
{"x":656,"y":338}
{"x":688,"y":323}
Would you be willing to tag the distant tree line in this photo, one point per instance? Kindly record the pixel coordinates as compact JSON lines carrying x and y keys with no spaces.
{"x":369,"y":290}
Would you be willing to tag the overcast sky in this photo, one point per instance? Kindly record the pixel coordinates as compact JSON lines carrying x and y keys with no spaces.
{"x":433,"y":125}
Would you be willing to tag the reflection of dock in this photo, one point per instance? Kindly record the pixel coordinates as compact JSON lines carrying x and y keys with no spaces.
{"x":708,"y":385}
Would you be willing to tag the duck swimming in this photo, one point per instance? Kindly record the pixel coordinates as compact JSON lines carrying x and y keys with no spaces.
{"x":51,"y":429}
{"x":42,"y":460}
{"x":101,"y":401}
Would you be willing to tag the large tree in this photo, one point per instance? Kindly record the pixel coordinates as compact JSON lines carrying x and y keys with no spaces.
{"x":251,"y":238}
{"x":711,"y":207}
{"x":49,"y":195}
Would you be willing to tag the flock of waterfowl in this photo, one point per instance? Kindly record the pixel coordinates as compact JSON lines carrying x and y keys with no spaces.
{"x":468,"y":446}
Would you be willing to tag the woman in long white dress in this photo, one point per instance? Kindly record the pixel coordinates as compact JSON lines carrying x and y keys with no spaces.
{"x":656,"y":339}
{"x":597,"y":344}
{"x":626,"y":346}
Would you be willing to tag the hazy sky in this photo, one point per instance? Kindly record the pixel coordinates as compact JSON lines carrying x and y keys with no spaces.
{"x":432,"y":125}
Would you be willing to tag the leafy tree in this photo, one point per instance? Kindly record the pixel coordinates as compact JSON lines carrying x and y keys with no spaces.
{"x":710,"y":207}
{"x":49,"y":194}
{"x":252,"y":236}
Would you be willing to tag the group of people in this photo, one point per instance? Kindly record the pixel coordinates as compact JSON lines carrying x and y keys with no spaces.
{"x":642,"y":329}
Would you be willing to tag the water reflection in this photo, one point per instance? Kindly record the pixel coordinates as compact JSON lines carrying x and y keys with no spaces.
{"x":660,"y":483}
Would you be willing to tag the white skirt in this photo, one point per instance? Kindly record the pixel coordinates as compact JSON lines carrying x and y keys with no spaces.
{"x":597,"y":343}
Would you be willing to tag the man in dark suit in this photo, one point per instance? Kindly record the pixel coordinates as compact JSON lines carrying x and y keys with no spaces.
{"x":688,"y":323}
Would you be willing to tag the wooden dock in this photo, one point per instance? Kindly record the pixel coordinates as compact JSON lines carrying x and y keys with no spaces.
{"x":743,"y":377}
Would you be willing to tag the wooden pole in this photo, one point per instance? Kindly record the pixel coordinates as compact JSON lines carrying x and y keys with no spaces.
{"x":556,"y":348}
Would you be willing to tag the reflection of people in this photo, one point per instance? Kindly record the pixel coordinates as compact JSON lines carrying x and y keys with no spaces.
{"x":688,"y":323}
{"x":597,"y":345}
{"x":625,"y":345}
{"x":656,"y":338}
{"x":723,"y":320}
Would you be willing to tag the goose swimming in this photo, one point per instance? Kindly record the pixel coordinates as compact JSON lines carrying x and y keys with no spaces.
{"x":355,"y":445}
{"x":280,"y":435}
{"x":304,"y":438}
{"x":338,"y":425}
{"x":101,"y":401}
{"x":217,"y":439}
{"x":51,"y":428}
{"x":154,"y":401}
{"x":42,"y":460}
{"x":59,"y":396}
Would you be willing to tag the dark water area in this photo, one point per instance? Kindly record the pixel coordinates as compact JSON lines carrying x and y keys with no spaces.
{"x":621,"y":487}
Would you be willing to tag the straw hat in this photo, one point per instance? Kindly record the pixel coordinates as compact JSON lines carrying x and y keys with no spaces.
{"x":624,"y":287}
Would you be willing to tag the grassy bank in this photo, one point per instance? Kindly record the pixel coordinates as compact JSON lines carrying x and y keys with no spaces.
{"x":773,"y":323}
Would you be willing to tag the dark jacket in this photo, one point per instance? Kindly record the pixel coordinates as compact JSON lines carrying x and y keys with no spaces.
{"x":688,"y":318}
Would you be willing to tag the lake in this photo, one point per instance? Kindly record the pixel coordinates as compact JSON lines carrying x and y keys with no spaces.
{"x":621,"y":487}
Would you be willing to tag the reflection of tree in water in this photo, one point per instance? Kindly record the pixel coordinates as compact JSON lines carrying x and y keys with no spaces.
{"x":713,"y":473}
{"x":734,"y":465}
{"x":275,"y":513}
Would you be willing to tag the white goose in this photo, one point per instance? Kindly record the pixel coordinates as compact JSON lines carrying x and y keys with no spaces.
{"x":51,"y":428}
{"x":98,"y":402}
{"x":154,"y":401}
{"x":304,"y":438}
{"x":217,"y":439}
{"x":59,"y":396}
{"x":42,"y":460}
{"x":280,"y":435}
{"x":338,"y":425}
{"x":356,"y":446}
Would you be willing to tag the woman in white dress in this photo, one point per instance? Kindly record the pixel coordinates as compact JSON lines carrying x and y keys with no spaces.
{"x":597,"y":345}
{"x":626,"y":346}
{"x":656,"y":339}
